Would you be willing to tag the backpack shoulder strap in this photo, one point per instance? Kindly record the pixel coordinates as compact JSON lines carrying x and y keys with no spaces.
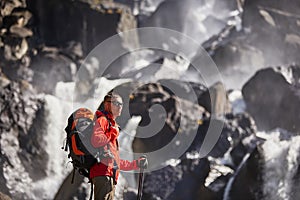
{"x":104,"y":114}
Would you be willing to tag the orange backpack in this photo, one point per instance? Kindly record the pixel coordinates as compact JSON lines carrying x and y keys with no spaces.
{"x":79,"y":131}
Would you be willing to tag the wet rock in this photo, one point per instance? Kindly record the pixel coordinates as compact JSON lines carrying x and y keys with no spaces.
{"x":280,"y":151}
{"x":180,"y":116}
{"x":50,"y":66}
{"x":18,"y":110}
{"x":215,"y":97}
{"x":233,"y":138}
{"x":247,"y":180}
{"x":171,"y":181}
{"x":271,"y":95}
{"x":270,"y":41}
{"x":187,"y":18}
{"x":32,"y":145}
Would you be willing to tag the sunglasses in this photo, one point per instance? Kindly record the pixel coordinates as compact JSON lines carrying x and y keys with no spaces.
{"x":116,"y":103}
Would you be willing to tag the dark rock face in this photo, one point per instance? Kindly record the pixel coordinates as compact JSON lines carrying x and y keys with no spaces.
{"x":271,"y":95}
{"x":77,"y":20}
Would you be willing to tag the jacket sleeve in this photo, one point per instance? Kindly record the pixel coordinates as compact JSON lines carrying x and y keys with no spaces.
{"x":99,"y":137}
{"x":126,"y":165}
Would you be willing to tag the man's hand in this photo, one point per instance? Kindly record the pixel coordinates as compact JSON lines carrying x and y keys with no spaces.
{"x":142,"y":162}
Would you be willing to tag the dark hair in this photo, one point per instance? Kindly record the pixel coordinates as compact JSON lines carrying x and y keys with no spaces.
{"x":111,"y":94}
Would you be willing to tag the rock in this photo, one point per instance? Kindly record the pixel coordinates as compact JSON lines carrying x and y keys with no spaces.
{"x":18,"y":145}
{"x":171,"y":182}
{"x":248,"y":47}
{"x":21,"y":49}
{"x":280,"y":151}
{"x":232,"y":136}
{"x":271,"y":95}
{"x":186,"y":19}
{"x":21,"y":32}
{"x":50,"y":67}
{"x":4,"y":196}
{"x":68,"y":189}
{"x":4,"y":81}
{"x":217,"y":94}
{"x":180,"y":116}
{"x":23,"y":16}
{"x":8,"y":6}
{"x":74,"y":50}
{"x":247,"y":180}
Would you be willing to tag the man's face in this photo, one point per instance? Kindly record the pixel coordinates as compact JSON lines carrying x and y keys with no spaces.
{"x":115,"y":106}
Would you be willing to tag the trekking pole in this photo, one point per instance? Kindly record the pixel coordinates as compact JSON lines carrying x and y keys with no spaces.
{"x":141,"y":181}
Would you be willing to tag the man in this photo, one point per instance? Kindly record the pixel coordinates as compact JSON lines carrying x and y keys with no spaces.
{"x":104,"y":175}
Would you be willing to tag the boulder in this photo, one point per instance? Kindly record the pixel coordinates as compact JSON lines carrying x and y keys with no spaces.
{"x":271,"y":95}
{"x":246,"y":182}
{"x":183,"y":181}
{"x":178,"y":116}
{"x":51,"y":66}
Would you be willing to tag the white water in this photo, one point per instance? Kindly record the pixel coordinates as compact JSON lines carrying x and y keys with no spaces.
{"x":17,"y":179}
{"x":280,"y":166}
{"x":57,"y":168}
{"x":126,"y":153}
{"x":236,"y":99}
{"x":200,"y":12}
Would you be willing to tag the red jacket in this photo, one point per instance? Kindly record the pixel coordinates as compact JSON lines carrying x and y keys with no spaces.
{"x":105,"y":134}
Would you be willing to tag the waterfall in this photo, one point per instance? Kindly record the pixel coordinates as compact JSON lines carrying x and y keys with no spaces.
{"x":126,"y":137}
{"x":57,"y":168}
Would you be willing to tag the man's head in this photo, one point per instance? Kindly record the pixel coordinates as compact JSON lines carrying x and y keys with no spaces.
{"x":113,"y":104}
